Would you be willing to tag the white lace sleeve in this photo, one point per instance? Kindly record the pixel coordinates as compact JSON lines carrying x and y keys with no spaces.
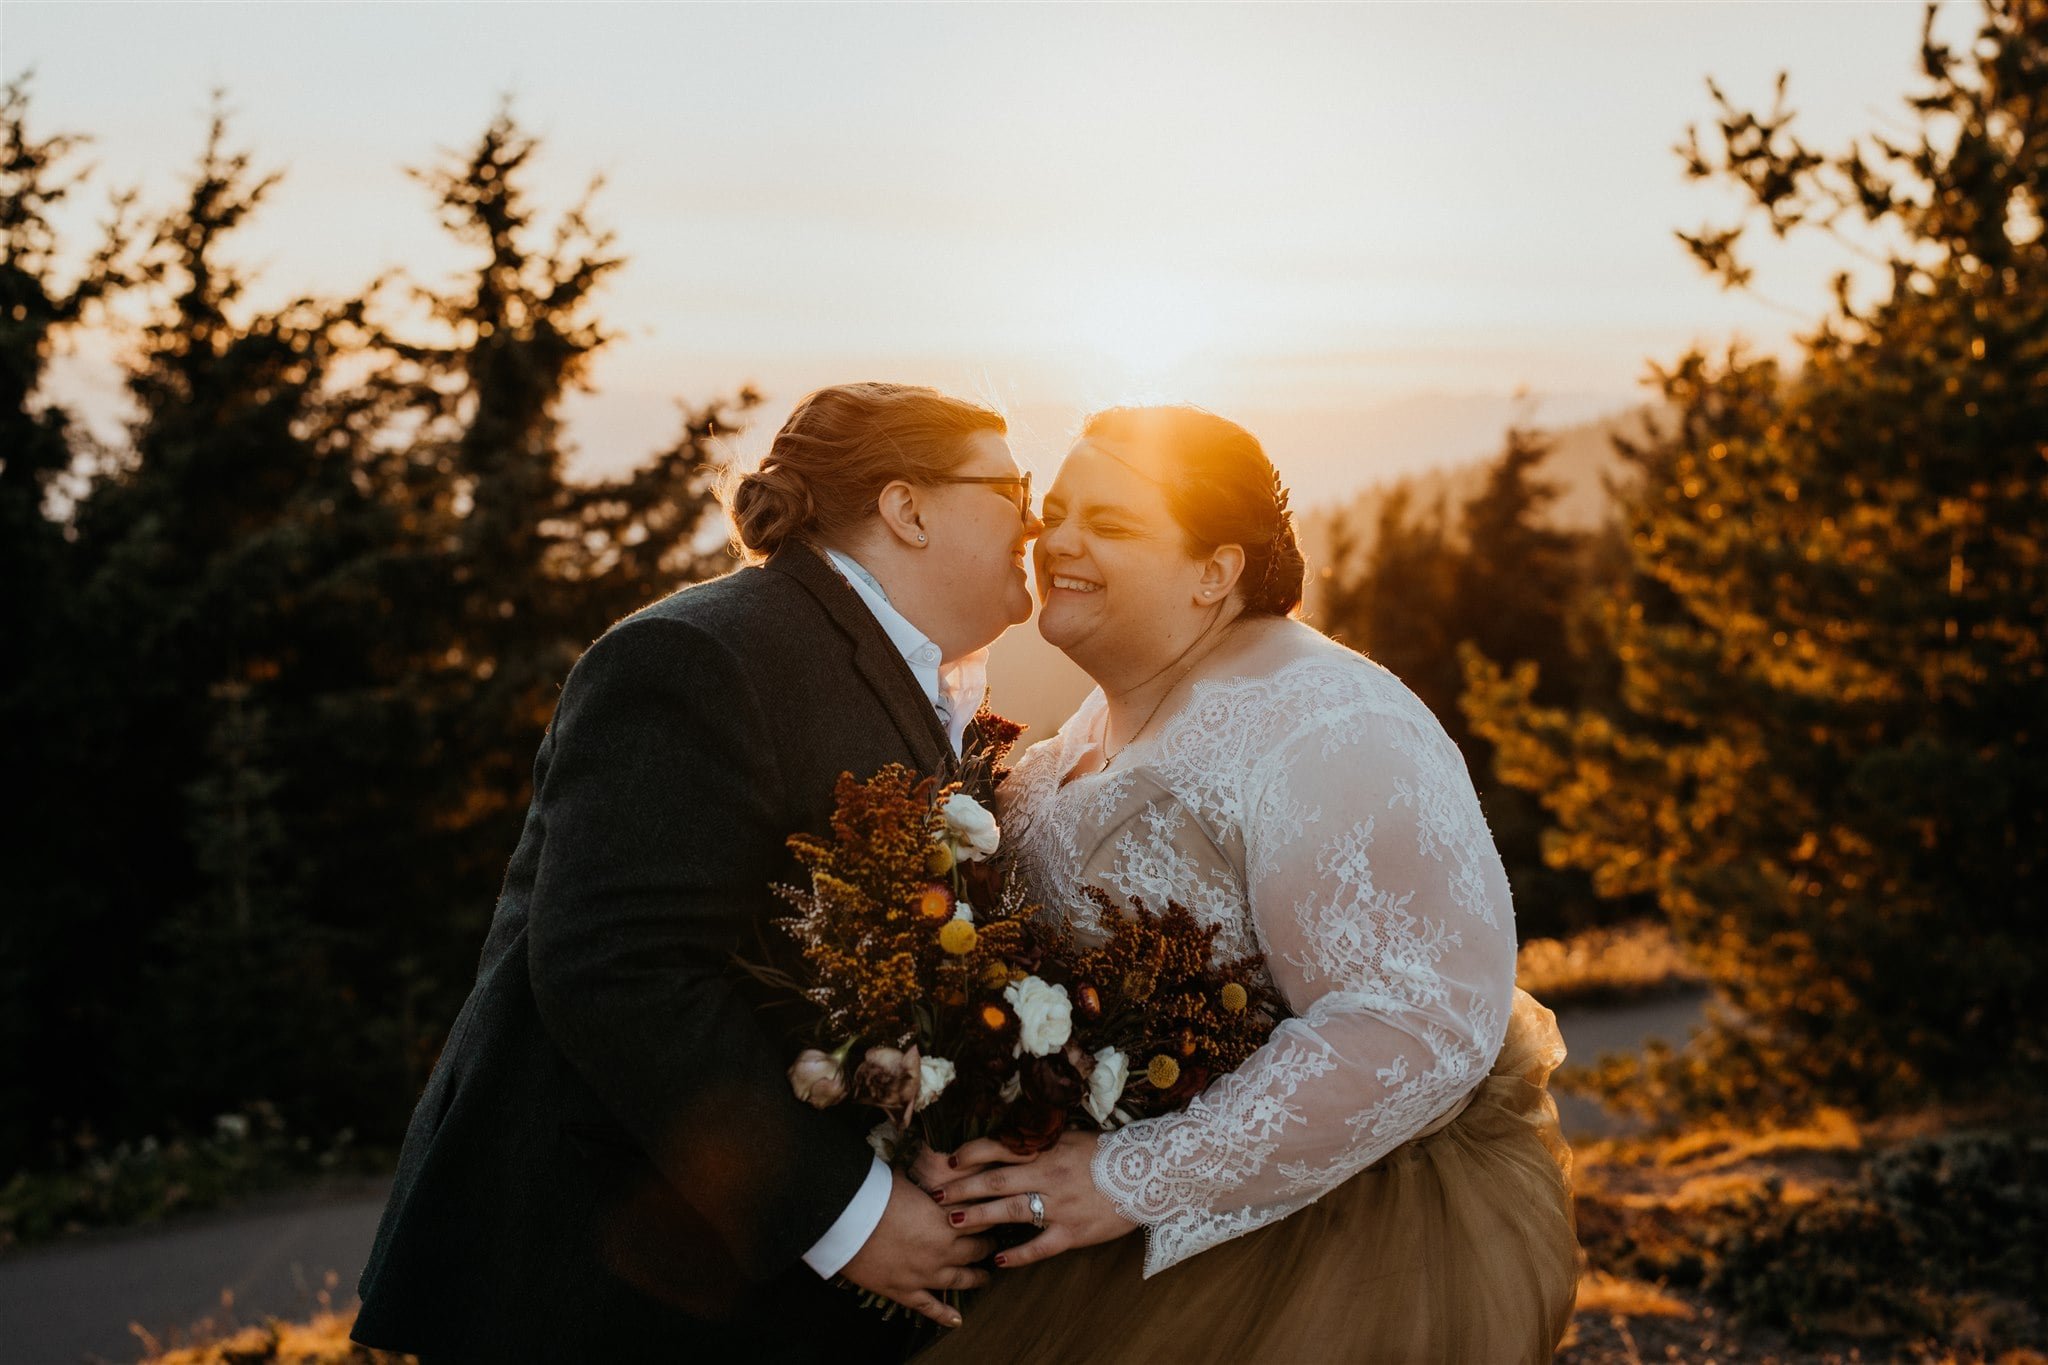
{"x":1383,"y":910}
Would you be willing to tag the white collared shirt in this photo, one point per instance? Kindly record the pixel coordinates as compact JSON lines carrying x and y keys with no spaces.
{"x":955,"y":691}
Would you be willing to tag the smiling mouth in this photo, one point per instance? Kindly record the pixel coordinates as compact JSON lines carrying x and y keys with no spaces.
{"x":1074,"y":584}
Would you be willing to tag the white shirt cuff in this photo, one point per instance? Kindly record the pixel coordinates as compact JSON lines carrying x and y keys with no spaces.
{"x":844,"y":1239}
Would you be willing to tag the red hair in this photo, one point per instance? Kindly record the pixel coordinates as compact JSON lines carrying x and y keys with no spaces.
{"x":839,"y":449}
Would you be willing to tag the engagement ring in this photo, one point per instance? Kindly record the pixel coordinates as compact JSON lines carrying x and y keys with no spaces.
{"x":1036,"y":1203}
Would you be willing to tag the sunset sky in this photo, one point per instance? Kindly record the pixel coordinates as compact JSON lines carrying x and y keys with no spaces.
{"x":1359,"y":229}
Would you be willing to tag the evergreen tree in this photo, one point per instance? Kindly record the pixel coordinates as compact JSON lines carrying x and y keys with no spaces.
{"x":1502,"y":583}
{"x":1397,"y":603}
{"x":194,"y":556}
{"x":1518,"y":575}
{"x":41,"y":447}
{"x":309,"y":633}
{"x":1831,"y":647}
{"x":505,"y":569}
{"x":1520,"y":591}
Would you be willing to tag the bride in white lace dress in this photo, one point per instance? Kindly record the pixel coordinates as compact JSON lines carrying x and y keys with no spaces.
{"x":1384,"y":1180}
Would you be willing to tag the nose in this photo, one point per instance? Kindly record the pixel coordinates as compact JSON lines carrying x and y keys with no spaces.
{"x":1057,"y":543}
{"x":1033,"y":527}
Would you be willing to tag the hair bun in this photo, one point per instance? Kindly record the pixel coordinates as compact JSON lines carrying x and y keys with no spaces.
{"x":840,"y":447}
{"x":769,"y":506}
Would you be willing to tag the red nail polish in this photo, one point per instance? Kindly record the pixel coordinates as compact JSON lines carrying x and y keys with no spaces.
{"x":1002,"y":1260}
{"x":957,"y":1215}
{"x":939,"y":1196}
{"x":954,"y":1162}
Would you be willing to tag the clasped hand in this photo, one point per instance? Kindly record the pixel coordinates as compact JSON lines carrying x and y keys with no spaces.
{"x":914,"y":1251}
{"x":985,"y":1184}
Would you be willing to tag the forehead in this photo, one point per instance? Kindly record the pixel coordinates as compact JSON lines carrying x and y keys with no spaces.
{"x":987,"y":453}
{"x":1094,"y":473}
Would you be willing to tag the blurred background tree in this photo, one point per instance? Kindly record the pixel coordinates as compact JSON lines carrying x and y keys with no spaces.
{"x":1828,"y":766}
{"x":40,"y":446}
{"x":287,"y":653}
{"x":1503,"y":580}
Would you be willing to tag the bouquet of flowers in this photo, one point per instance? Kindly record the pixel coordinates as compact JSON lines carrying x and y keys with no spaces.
{"x":953,"y":1009}
{"x":910,"y":935}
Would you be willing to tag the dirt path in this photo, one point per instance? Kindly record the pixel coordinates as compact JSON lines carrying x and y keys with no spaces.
{"x":73,"y":1303}
{"x":1591,"y":1033}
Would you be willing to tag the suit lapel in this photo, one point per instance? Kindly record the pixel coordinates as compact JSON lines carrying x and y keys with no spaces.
{"x":874,"y":656}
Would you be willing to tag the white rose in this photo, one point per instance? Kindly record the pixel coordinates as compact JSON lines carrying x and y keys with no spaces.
{"x":970,"y":829}
{"x":1106,"y":1084}
{"x":1044,"y":1011}
{"x":934,"y":1074}
{"x":962,"y":910}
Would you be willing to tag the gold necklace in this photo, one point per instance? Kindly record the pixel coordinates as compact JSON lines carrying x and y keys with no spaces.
{"x":1108,"y":757}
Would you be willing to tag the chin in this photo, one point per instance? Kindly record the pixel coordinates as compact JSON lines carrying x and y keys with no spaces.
{"x":1054,"y":628}
{"x":1020,"y":607}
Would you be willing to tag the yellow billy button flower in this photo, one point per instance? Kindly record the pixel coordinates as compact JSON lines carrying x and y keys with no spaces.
{"x":996,"y":975}
{"x":957,"y":937}
{"x":940,"y":860}
{"x":1163,"y":1072}
{"x":935,"y":902}
{"x":1234,"y":998}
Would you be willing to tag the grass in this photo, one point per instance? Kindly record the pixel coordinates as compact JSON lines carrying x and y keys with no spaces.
{"x":1605,"y":966}
{"x":1816,"y":1242}
{"x":92,"y":1186}
{"x":320,"y":1340}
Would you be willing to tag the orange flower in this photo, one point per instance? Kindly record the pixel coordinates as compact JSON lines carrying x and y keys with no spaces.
{"x":935,"y":902}
{"x":995,"y":1018}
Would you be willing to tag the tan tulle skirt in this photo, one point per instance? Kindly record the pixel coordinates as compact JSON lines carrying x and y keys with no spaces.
{"x":1455,"y":1249}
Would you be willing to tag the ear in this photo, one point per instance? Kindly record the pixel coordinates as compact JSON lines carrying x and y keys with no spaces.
{"x":1220,"y":572}
{"x":902,"y":514}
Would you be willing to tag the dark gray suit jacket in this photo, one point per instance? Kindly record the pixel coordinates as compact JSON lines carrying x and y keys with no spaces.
{"x":607,"y":1162}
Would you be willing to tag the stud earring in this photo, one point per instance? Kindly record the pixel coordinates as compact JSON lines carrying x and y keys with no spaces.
{"x":920,"y":540}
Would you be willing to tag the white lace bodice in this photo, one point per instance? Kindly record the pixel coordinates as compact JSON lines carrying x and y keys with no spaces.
{"x":1314,"y":810}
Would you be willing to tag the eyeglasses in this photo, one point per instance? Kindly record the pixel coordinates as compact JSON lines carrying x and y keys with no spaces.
{"x":1019,"y":483}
